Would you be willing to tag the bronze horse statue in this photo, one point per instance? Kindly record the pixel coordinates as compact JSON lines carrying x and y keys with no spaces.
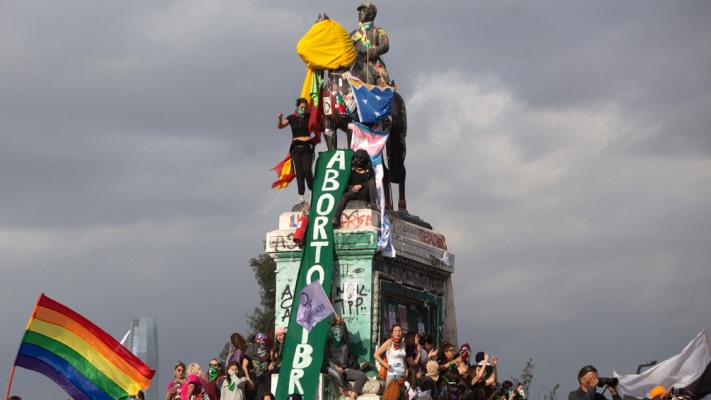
{"x":338,"y":118}
{"x":331,"y":116}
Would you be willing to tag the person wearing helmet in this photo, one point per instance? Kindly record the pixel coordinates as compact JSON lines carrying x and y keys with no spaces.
{"x":361,"y":184}
{"x":370,"y":42}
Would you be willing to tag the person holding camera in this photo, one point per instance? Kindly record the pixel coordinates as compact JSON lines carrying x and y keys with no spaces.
{"x":589,"y":381}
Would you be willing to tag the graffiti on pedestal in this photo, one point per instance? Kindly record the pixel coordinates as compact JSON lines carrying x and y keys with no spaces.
{"x":351,"y":296}
{"x":276,"y":243}
{"x":419,"y":234}
{"x":350,"y":300}
{"x":356,"y":218}
{"x":285,"y":303}
{"x":351,"y":292}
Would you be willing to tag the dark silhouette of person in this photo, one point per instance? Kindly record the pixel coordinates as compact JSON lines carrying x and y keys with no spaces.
{"x":361,"y":184}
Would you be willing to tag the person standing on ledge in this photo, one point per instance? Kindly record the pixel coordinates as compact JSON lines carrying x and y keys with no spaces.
{"x":302,"y":147}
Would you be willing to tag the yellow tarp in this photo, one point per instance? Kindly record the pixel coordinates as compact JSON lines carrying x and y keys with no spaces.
{"x":327,"y":45}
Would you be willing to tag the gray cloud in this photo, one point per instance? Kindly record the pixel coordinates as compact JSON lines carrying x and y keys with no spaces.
{"x":562,"y":149}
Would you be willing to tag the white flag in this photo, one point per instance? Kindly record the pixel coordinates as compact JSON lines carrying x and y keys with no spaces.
{"x":313,"y":306}
{"x":678,"y":371}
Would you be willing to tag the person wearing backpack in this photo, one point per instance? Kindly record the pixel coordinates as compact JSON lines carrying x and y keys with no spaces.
{"x":258,"y":354}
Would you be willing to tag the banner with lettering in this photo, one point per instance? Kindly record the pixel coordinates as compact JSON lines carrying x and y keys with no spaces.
{"x":303,"y":349}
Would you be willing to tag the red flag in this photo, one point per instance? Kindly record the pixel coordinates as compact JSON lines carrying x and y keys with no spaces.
{"x":285,"y":173}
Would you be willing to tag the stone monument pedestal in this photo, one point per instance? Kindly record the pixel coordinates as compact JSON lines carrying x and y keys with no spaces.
{"x":370,"y":291}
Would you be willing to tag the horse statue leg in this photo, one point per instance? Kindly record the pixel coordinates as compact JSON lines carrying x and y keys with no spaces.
{"x":401,"y":202}
{"x":397,"y":149}
{"x":335,"y":116}
{"x":345,"y":128}
{"x":330,"y":132}
{"x":387,"y":193}
{"x":329,"y":116}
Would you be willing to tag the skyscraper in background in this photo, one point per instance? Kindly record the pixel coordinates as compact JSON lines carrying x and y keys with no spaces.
{"x":142,"y":341}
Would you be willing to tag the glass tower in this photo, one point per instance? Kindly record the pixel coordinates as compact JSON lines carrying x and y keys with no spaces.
{"x":142,"y":341}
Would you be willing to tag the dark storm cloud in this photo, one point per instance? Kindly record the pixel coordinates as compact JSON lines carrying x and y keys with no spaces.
{"x":562,"y":148}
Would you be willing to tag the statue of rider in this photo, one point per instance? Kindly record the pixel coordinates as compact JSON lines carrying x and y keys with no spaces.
{"x":370,"y":42}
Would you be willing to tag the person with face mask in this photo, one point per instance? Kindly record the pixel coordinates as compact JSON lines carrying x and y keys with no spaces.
{"x":259,"y":356}
{"x":235,"y":381}
{"x":302,"y":146}
{"x":361,"y":184}
{"x":215,"y":377}
{"x":237,"y":351}
{"x":338,"y":363}
{"x":370,"y":42}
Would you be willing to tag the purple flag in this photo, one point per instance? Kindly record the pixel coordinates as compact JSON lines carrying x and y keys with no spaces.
{"x":313,"y":306}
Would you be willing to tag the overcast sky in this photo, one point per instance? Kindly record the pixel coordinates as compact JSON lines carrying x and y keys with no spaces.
{"x":562,"y":147}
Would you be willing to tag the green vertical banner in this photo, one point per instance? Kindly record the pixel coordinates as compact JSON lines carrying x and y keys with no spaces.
{"x":303,"y":350}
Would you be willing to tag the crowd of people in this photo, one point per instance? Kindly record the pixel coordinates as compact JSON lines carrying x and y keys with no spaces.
{"x":245,"y":374}
{"x":410,"y":366}
{"x":414,"y":365}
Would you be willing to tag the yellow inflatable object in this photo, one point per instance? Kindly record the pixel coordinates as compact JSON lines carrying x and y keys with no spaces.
{"x":327,"y":45}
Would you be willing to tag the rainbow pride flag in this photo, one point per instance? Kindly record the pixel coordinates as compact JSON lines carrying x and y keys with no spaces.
{"x":77,"y":355}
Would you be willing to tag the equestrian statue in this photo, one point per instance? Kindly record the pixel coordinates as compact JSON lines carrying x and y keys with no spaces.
{"x":359,"y":54}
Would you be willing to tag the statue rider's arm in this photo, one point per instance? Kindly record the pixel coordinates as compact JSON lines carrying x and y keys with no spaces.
{"x":382,"y":46}
{"x":356,"y":37}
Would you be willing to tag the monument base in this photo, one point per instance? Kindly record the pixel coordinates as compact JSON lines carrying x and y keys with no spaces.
{"x":328,"y":390}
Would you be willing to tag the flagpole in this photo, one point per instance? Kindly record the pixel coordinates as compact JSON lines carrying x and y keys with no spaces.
{"x":9,"y":383}
{"x":12,"y":372}
{"x":125,"y":336}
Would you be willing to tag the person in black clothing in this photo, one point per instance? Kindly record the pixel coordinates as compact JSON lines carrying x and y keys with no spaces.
{"x":339,"y":364}
{"x":302,"y":147}
{"x":361,"y":184}
{"x":259,"y":355}
{"x":588,"y":379}
{"x":427,"y":387}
